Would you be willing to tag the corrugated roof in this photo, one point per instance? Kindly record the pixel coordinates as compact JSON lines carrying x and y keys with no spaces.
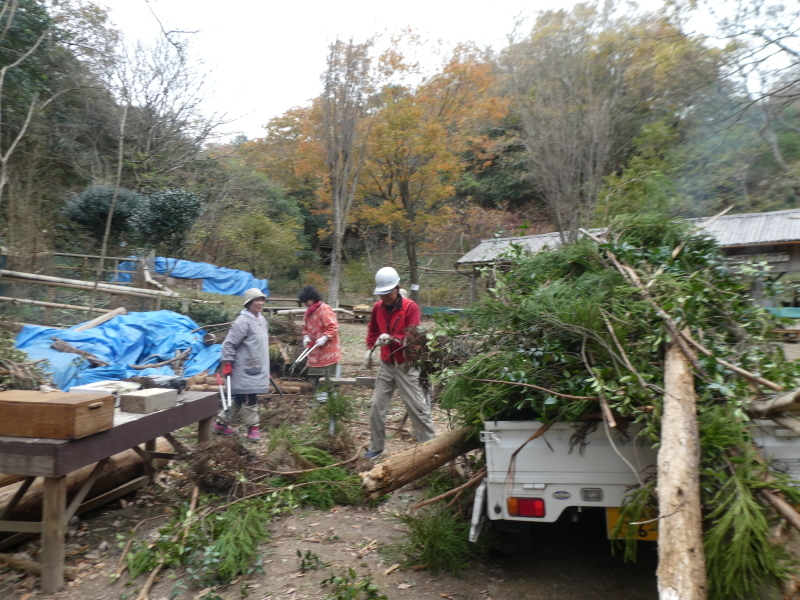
{"x":747,"y":229}
{"x":751,"y":229}
{"x":491,"y":250}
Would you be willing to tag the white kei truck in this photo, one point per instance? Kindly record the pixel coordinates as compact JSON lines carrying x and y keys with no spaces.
{"x":561,"y":471}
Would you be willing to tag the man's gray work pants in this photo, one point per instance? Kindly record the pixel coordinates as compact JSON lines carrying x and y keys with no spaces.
{"x":404,"y":378}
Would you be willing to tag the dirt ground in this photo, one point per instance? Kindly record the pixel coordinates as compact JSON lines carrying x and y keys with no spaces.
{"x":563,"y":560}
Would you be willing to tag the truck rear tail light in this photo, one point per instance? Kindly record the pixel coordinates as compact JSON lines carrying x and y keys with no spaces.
{"x":526,"y":507}
{"x":592,"y":494}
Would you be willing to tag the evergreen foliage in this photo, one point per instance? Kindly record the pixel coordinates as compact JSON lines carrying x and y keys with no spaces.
{"x":163,"y":221}
{"x":338,"y":407}
{"x":237,"y":534}
{"x":330,"y":486}
{"x":90,"y":209}
{"x":215,"y":545}
{"x":566,"y":322}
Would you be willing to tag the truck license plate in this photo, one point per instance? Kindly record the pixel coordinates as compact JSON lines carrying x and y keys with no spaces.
{"x":646,"y":531}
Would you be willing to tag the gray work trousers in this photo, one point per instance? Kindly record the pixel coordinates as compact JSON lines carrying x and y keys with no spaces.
{"x":404,"y":378}
{"x":244,"y":408}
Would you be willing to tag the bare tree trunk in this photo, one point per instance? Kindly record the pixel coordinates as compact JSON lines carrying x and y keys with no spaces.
{"x":336,"y":270}
{"x":681,"y":561}
{"x":413,"y":265}
{"x":117,"y":181}
{"x":403,"y":467}
{"x":345,"y":128}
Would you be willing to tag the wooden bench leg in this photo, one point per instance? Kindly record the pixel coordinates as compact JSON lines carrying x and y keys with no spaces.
{"x":150,"y":446}
{"x":53,"y":529}
{"x":204,"y":432}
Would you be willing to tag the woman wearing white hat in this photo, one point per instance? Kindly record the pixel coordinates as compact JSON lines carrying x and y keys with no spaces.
{"x":245,"y":357}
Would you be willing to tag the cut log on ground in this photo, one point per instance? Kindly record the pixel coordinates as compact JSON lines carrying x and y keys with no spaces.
{"x":305,"y":386}
{"x":681,"y":561}
{"x":400,"y":468}
{"x":6,"y":479}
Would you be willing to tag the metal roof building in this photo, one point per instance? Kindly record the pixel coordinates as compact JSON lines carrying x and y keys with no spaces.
{"x":775,"y":234}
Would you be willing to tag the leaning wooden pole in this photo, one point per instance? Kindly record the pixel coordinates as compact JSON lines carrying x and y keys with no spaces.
{"x":681,"y":561}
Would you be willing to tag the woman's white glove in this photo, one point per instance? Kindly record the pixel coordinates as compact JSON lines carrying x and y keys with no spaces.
{"x":306,"y":341}
{"x":384,"y":339}
{"x":368,"y":359}
{"x":321,"y":341}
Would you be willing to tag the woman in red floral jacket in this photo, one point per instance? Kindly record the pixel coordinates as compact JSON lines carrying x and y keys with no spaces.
{"x":321,"y":328}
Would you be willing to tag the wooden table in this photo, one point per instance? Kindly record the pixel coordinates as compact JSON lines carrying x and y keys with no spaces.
{"x":55,"y":459}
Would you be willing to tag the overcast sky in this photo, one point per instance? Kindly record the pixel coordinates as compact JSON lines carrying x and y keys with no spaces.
{"x":263,"y":57}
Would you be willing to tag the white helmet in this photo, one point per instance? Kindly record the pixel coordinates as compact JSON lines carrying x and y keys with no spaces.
{"x":386,"y":279}
{"x":252,"y":294}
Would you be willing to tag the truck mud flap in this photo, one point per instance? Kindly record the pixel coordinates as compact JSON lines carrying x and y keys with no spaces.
{"x":478,"y":516}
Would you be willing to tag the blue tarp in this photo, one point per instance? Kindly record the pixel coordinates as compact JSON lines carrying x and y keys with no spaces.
{"x":788,"y":312}
{"x":124,"y":340}
{"x":217,"y":280}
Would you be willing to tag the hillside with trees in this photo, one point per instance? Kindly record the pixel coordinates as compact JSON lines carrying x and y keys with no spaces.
{"x":411,"y":154}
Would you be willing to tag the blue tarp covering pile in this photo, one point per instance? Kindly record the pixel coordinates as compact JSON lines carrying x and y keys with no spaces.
{"x":217,"y":280}
{"x":787,"y":312}
{"x":125,"y":340}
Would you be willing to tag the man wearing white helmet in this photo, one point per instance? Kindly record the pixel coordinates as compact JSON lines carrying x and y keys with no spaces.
{"x":391,"y":319}
{"x":245,"y":358}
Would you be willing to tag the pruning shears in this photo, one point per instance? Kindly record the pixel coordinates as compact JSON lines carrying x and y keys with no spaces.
{"x":302,"y":357}
{"x":226,"y":399}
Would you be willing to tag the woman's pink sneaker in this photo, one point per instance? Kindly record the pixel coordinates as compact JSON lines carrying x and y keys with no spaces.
{"x":223,"y":429}
{"x":253,"y":434}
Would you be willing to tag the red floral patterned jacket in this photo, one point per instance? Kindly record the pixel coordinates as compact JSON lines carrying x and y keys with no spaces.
{"x":320,"y":320}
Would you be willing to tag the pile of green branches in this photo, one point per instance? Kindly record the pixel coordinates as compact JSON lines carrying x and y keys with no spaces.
{"x":215,"y":538}
{"x":214,"y":542}
{"x":568,"y":328}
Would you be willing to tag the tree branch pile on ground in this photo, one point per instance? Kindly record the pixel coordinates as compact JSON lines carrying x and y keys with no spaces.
{"x":215,"y":537}
{"x":16,"y":371}
{"x":582,"y":332}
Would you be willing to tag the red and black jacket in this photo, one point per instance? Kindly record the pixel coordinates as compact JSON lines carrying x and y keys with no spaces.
{"x":396,"y":323}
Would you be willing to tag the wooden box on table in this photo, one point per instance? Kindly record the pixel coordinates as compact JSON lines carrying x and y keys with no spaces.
{"x":55,"y":415}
